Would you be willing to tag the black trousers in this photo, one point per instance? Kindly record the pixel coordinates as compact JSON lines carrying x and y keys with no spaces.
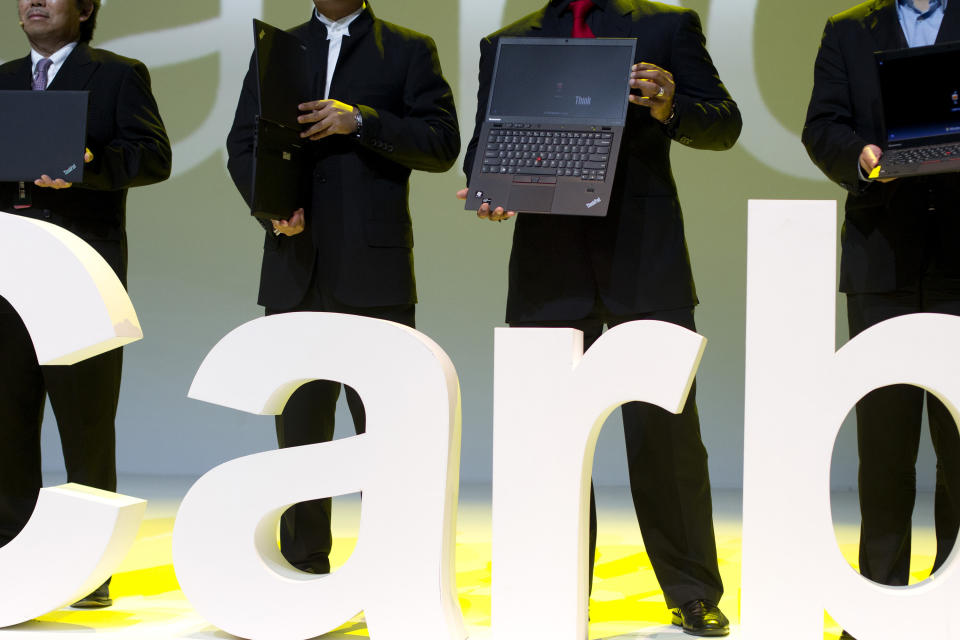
{"x":669,"y":479}
{"x":308,"y":418}
{"x":888,"y":440}
{"x":84,"y":398}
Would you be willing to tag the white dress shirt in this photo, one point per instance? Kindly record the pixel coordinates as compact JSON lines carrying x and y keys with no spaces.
{"x":336,"y":30}
{"x":56,"y":61}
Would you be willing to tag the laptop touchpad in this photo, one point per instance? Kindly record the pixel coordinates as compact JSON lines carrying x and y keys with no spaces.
{"x":530,"y":197}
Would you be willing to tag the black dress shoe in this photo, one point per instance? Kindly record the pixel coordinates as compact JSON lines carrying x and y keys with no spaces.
{"x":701,"y":618}
{"x":96,"y":600}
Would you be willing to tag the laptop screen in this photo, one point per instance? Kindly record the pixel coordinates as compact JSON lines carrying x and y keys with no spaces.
{"x":921,"y":94}
{"x":562,"y":80}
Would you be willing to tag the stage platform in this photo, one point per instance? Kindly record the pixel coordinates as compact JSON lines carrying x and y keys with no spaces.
{"x":626,"y":602}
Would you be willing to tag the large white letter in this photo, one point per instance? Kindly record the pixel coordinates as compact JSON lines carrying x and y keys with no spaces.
{"x":74,"y":308}
{"x":44,"y":570}
{"x":550,"y":402}
{"x":798,"y":391}
{"x":71,"y":301}
{"x":401,"y":573}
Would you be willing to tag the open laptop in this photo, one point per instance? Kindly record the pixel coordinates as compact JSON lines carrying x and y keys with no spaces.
{"x":920,"y":87}
{"x":553,"y":127}
{"x":58,"y":152}
{"x":283,"y":83}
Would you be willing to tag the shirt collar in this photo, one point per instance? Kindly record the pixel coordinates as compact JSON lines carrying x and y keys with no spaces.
{"x":338,"y":28}
{"x":56,"y":58}
{"x":935,"y":5}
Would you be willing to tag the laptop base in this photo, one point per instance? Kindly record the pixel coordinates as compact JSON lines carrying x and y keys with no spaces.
{"x":921,"y":161}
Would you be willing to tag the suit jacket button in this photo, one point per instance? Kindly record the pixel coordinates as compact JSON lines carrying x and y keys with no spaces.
{"x":46,"y":213}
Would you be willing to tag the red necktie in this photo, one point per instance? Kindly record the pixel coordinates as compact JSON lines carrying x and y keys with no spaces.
{"x":580,"y":10}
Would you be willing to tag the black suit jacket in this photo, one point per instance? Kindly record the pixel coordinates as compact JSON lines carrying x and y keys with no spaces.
{"x":358,"y":219}
{"x":635,"y":258}
{"x":125,"y":134}
{"x":889,"y":234}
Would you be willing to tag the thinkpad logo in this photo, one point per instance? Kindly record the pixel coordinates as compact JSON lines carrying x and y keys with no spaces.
{"x":69,"y":170}
{"x":593,"y":203}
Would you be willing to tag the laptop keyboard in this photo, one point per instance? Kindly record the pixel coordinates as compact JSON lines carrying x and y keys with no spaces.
{"x":536,"y":152}
{"x":924,"y":155}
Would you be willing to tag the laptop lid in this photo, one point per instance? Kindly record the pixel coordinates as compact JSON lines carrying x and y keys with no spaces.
{"x":920,"y":87}
{"x":283,"y":75}
{"x":58,"y":152}
{"x":561,"y":81}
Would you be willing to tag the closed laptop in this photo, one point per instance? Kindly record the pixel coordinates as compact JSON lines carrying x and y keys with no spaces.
{"x":42,"y":133}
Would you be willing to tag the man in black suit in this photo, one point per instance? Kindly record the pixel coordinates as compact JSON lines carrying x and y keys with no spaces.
{"x":386,"y":110}
{"x":569,"y":271}
{"x":127,"y":147}
{"x":900,"y":255}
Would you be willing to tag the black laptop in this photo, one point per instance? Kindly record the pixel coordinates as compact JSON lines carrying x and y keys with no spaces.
{"x":56,"y":150}
{"x":921,"y":109}
{"x":555,"y":118}
{"x":283,"y":82}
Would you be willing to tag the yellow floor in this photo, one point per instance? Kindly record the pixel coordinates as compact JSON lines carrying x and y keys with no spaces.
{"x":626,"y":601}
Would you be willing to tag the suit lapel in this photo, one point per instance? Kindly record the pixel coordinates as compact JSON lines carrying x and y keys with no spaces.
{"x":359,"y":29}
{"x":623,"y":25}
{"x":535,"y":21}
{"x":317,"y":51}
{"x":18,"y":75}
{"x":884,"y":25}
{"x":950,"y":27}
{"x":76,"y":70}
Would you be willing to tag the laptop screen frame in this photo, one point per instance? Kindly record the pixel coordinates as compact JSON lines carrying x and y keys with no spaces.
{"x":882,"y":57}
{"x":625,"y":43}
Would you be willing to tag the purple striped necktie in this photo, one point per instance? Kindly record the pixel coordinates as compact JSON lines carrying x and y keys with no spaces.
{"x":40,"y":77}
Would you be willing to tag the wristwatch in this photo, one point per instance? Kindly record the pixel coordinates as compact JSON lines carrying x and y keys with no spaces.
{"x":672,"y":117}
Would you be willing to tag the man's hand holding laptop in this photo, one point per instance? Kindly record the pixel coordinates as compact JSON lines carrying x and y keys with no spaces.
{"x":60,"y":183}
{"x":870,"y":159}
